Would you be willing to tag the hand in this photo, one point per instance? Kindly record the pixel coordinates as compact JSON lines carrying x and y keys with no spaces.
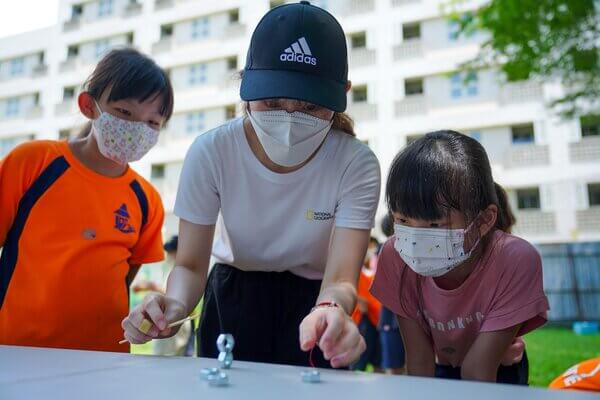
{"x":340,"y":340}
{"x":514,"y":353}
{"x":157,"y":309}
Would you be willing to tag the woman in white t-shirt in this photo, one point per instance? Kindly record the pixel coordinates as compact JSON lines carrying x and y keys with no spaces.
{"x":292,"y":194}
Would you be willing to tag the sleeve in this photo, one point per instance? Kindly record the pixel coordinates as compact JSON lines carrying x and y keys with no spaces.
{"x":359,"y":197}
{"x":393,"y":286}
{"x":149,"y":247}
{"x":197,"y":195}
{"x":15,"y":179}
{"x":520,"y":297}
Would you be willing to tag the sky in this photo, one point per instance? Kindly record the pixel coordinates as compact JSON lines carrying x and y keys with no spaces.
{"x":18,"y":16}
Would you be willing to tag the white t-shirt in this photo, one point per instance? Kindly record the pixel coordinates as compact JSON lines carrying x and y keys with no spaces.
{"x":268,"y":221}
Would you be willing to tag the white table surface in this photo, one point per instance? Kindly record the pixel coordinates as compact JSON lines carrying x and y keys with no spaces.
{"x":49,"y":374}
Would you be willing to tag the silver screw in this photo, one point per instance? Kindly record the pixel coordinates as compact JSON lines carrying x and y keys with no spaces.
{"x":311,"y":376}
{"x":219,"y":380}
{"x":208,"y":372}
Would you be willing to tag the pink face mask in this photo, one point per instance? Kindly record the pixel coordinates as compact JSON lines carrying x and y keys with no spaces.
{"x":120,"y":140}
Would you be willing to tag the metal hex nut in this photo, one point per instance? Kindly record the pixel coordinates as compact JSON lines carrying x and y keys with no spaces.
{"x":311,"y":376}
{"x":220,"y":379}
{"x":225,"y":359}
{"x":225,"y":342}
{"x":205,"y":373}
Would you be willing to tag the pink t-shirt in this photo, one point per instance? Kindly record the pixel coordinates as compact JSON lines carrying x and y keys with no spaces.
{"x":505,"y":289}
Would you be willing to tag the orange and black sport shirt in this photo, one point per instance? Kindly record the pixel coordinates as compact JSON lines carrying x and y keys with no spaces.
{"x":68,"y":238}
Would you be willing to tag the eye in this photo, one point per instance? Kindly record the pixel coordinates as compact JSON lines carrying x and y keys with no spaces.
{"x":123,"y":111}
{"x":434,"y":225}
{"x":402,"y":221}
{"x":154,"y":124}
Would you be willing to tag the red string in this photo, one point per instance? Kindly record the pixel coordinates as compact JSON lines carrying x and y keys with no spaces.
{"x":310,"y":358}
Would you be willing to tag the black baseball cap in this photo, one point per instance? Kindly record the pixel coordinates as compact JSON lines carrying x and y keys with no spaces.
{"x":297,"y":51}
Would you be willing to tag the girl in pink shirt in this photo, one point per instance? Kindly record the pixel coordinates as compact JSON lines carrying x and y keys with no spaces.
{"x":464,"y":290}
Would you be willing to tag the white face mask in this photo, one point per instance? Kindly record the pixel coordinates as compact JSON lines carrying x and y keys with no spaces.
{"x":289,"y":139}
{"x":122,"y":141}
{"x":432,"y":251}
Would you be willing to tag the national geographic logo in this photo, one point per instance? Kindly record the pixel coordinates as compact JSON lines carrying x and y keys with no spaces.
{"x":313,"y":215}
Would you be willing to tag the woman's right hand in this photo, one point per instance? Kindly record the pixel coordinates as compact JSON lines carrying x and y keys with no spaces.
{"x":157,"y":309}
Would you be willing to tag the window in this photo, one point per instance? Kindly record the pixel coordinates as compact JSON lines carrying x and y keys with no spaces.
{"x":7,"y":144}
{"x":157,"y":171}
{"x":413,"y":87}
{"x":76,"y":11}
{"x":528,"y":199}
{"x":64,"y":134}
{"x":230,"y":112}
{"x":105,"y":8}
{"x":68,"y":93}
{"x":101,"y":47}
{"x":17,"y":66}
{"x":411,"y":138}
{"x":232,"y":63}
{"x":522,"y":134}
{"x":359,"y":94}
{"x":464,"y":85}
{"x":411,"y":31}
{"x":200,"y":28}
{"x":590,"y":125}
{"x":166,"y":31}
{"x":358,"y":40}
{"x":453,"y":30}
{"x":197,"y":74}
{"x":276,"y":3}
{"x":475,"y":135}
{"x":12,"y":107}
{"x":129,"y":38}
{"x":594,"y":194}
{"x":72,"y":51}
{"x":234,"y":16}
{"x":195,"y":122}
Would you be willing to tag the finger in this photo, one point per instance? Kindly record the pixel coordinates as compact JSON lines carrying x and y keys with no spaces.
{"x":134,"y":335}
{"x":156,"y":314}
{"x":139,"y":321}
{"x":310,"y":329}
{"x":335,"y":321}
{"x":350,"y":356}
{"x":346,"y":341}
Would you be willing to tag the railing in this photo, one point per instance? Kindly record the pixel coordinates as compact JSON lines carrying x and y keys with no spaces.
{"x":361,"y":57}
{"x":399,"y":3}
{"x":589,"y":220}
{"x":161,"y":4}
{"x":132,"y":9}
{"x":410,"y":48}
{"x":34,"y":112}
{"x":588,"y":149}
{"x":362,"y":111}
{"x":527,"y":155}
{"x":521,"y":92}
{"x":163,"y":45}
{"x":234,"y":30}
{"x":72,"y":24}
{"x":411,"y":105}
{"x":535,"y":222}
{"x":353,"y":7}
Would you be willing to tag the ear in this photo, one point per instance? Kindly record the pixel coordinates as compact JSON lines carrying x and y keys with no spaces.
{"x":487,"y":219}
{"x":87,"y":105}
{"x":348,"y":86}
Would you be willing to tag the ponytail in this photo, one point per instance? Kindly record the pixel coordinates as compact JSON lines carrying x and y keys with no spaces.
{"x":344,"y":123}
{"x":506,"y":219}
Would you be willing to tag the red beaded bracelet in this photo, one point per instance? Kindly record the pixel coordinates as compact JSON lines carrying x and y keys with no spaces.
{"x":325,"y":304}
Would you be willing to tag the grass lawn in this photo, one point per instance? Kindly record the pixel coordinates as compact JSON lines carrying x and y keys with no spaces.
{"x":550,"y":350}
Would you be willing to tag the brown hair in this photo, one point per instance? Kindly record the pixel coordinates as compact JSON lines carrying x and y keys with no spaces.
{"x":126,"y":73}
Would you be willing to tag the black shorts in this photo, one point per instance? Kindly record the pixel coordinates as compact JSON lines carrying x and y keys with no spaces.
{"x":263,"y":312}
{"x":516,"y":374}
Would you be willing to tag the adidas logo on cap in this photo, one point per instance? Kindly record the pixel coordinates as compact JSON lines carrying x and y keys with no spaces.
{"x":298,"y":52}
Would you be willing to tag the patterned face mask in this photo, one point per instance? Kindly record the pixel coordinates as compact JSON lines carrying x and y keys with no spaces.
{"x":120,"y":140}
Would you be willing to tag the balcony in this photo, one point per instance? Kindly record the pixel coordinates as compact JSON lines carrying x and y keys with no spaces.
{"x":162,"y":4}
{"x":362,"y":111}
{"x":72,"y":24}
{"x":39,"y":70}
{"x":412,"y":48}
{"x":34,"y":112}
{"x":521,"y":92}
{"x":589,"y":220}
{"x":411,"y":105}
{"x":586,"y":150}
{"x":163,"y":45}
{"x":65,"y":107}
{"x":356,"y":7}
{"x":132,"y":9}
{"x":234,"y":30}
{"x":361,"y":57}
{"x":535,"y":222}
{"x":400,"y":3}
{"x":527,"y":155}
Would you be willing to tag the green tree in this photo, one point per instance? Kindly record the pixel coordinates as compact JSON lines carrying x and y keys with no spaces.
{"x":545,"y":40}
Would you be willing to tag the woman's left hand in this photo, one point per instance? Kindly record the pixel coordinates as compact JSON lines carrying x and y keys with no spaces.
{"x":335,"y":333}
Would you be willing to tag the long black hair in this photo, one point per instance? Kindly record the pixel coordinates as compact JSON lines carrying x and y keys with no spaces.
{"x":444,"y":171}
{"x":128,"y":74}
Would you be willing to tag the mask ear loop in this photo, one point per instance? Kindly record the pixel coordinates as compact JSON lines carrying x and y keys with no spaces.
{"x":468,"y":236}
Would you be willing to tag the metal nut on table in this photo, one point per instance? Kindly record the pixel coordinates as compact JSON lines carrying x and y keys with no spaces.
{"x":225,"y":342}
{"x":225,"y":359}
{"x":208,"y":372}
{"x":220,"y":379}
{"x":311,"y":376}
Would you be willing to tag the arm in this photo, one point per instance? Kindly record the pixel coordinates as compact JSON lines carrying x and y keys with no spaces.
{"x":483,"y":359}
{"x":332,"y":329}
{"x":420,"y":357}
